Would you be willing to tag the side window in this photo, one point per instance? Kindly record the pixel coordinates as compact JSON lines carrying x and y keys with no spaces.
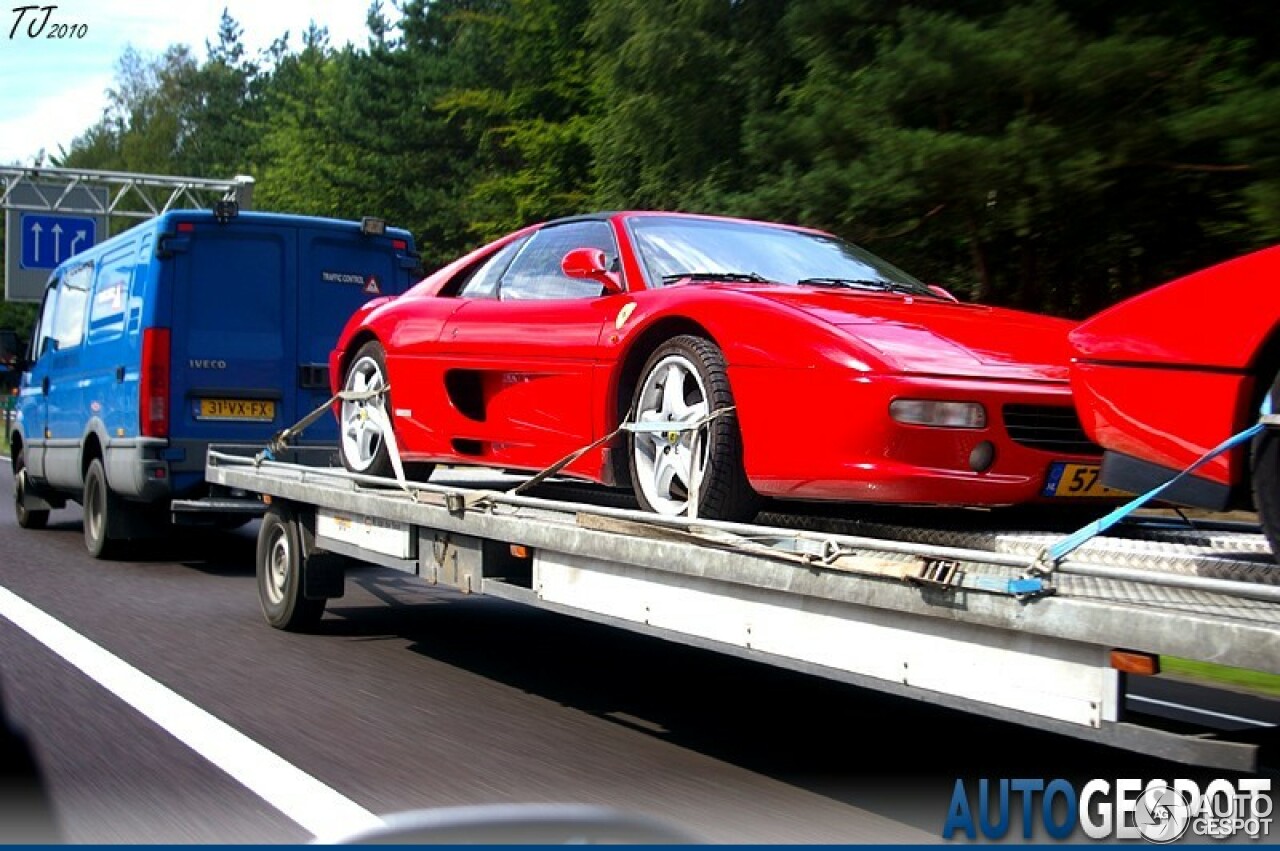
{"x":483,"y":280}
{"x":43,"y":333}
{"x":110,"y":294}
{"x":73,"y":298}
{"x":535,"y":273}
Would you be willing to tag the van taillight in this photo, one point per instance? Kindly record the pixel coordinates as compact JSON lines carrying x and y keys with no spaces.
{"x":400,"y":244}
{"x":153,"y":390}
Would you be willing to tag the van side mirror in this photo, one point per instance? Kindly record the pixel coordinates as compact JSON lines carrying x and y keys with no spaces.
{"x":591,"y":264}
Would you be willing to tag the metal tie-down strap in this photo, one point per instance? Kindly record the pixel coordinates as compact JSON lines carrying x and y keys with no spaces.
{"x":280,"y":441}
{"x":1049,"y":558}
{"x":696,"y":426}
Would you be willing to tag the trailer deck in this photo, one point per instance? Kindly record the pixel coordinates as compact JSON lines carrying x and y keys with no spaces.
{"x":962,"y":618}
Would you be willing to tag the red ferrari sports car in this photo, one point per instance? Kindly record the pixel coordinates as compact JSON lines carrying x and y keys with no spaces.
{"x":1164,"y":377}
{"x":838,"y":376}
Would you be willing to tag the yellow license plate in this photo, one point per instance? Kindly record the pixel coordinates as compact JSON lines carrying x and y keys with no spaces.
{"x":1077,"y":480}
{"x":254,"y":410}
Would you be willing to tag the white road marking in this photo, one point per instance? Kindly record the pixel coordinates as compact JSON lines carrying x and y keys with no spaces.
{"x":1197,"y":711}
{"x":315,"y":806}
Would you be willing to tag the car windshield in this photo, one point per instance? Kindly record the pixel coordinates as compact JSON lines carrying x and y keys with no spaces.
{"x":675,"y":248}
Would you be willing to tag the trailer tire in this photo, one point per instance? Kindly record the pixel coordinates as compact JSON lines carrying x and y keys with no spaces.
{"x":280,"y":562}
{"x":28,"y":518}
{"x":1265,"y":468}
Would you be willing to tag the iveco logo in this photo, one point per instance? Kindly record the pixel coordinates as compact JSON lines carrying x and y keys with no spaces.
{"x":205,"y":363}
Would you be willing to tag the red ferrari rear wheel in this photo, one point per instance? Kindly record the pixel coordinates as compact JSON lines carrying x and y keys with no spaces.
{"x":683,"y":382}
{"x":363,"y":442}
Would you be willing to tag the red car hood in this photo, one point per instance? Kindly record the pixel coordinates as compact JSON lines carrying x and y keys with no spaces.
{"x":926,"y":336}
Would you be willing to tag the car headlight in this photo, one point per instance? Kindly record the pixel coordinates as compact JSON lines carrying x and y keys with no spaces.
{"x":928,"y":412}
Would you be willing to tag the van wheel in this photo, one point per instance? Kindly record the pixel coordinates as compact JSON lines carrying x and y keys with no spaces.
{"x":280,"y":562}
{"x":100,"y":507}
{"x":28,"y":518}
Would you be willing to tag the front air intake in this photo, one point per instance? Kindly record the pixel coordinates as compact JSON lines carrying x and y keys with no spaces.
{"x":1049,"y":428}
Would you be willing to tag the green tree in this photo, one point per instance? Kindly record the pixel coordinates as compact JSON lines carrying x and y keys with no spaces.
{"x":1012,"y":151}
{"x":677,"y":87}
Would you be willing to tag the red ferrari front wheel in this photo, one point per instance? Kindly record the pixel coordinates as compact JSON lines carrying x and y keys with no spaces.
{"x":1265,"y":463}
{"x":682,"y":383}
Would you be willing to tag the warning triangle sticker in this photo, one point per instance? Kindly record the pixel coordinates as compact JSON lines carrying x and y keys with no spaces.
{"x":371,"y":285}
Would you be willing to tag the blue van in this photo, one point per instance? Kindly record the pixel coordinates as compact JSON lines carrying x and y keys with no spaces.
{"x":189,"y":329}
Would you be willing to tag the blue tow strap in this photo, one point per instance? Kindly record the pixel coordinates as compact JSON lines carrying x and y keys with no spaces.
{"x":1055,"y":553}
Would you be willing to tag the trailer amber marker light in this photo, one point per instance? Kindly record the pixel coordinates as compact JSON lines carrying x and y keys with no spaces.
{"x":1131,"y":662}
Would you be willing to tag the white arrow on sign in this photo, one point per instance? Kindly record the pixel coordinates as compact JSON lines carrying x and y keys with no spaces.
{"x":57,"y":242}
{"x":79,"y":237}
{"x":35,"y":229}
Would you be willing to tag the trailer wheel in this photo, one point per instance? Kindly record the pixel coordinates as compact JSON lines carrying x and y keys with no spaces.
{"x":28,"y":518}
{"x":280,"y":563}
{"x":1265,"y":463}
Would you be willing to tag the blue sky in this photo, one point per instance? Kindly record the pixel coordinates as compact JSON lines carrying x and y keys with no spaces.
{"x":53,"y":90}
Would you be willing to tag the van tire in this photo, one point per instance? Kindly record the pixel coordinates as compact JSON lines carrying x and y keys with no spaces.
{"x":28,"y":518}
{"x":102,"y":508}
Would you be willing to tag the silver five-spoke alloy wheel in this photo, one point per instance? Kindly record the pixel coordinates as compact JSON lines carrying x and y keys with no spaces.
{"x":672,"y":393}
{"x":362,"y":436}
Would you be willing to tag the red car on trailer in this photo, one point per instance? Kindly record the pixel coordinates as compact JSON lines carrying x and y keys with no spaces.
{"x":1164,"y":377}
{"x":843,"y":377}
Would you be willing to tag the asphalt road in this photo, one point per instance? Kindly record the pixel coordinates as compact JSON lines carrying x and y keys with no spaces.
{"x":413,"y":698}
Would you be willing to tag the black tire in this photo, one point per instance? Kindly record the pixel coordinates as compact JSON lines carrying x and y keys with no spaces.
{"x":28,"y":518}
{"x":1265,"y":466}
{"x":101,"y":507}
{"x":279,"y":568}
{"x":380,"y":465}
{"x":724,"y":492}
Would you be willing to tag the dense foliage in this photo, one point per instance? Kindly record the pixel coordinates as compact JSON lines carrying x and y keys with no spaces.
{"x":1046,"y":154}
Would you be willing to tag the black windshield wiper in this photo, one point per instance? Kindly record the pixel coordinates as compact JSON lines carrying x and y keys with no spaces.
{"x":861,"y":284}
{"x":748,"y":277}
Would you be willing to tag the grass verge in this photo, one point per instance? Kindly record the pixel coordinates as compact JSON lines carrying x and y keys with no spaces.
{"x":1207,"y":672}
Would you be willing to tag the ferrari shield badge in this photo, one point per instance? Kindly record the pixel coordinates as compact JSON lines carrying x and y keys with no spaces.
{"x":624,"y":315}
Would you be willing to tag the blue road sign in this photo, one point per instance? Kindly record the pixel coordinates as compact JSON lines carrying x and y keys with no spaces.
{"x":49,"y":239}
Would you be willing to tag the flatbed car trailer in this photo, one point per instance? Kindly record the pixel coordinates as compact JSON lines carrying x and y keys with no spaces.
{"x":973,"y":622}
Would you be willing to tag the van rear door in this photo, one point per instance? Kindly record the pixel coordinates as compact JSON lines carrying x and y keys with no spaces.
{"x":233,"y":331}
{"x":340,"y":270}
